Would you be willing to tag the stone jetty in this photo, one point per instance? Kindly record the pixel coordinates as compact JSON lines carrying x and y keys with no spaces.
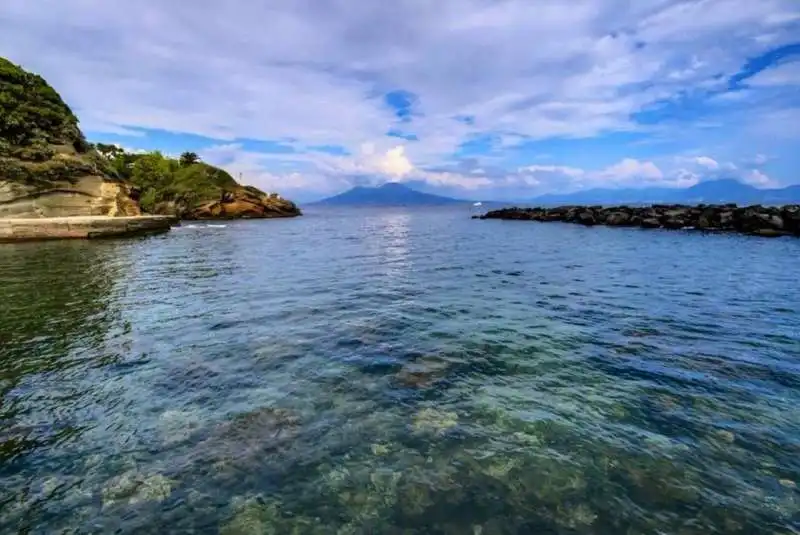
{"x":51,"y":228}
{"x":766,"y":221}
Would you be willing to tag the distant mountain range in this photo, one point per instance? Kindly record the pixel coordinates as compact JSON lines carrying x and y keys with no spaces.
{"x":711,"y":192}
{"x":715,"y":191}
{"x":391,"y":194}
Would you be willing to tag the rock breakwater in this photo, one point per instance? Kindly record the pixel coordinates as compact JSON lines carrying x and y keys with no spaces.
{"x":766,"y":221}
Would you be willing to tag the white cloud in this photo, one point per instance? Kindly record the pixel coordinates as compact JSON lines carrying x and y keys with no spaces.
{"x":315,"y":72}
{"x":395,"y":162}
{"x":705,"y":161}
{"x":565,"y":170}
{"x":755,"y":177}
{"x":631,"y":169}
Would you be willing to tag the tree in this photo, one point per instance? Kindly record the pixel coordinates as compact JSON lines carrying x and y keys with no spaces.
{"x":151,"y":170}
{"x":109,"y":151}
{"x":189,"y":158}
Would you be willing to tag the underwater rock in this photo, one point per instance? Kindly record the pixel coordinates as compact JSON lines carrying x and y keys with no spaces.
{"x":500,"y":466}
{"x":133,"y":488}
{"x":93,"y":461}
{"x":415,"y":497}
{"x":576,"y":517}
{"x":423,"y":372}
{"x":431,"y":420}
{"x":725,"y":436}
{"x":253,"y":516}
{"x":50,"y":485}
{"x":177,"y":426}
{"x":246,"y":440}
{"x":526,"y":439}
{"x":379,"y":449}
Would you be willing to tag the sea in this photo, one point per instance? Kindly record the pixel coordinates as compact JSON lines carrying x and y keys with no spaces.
{"x":401,"y":371}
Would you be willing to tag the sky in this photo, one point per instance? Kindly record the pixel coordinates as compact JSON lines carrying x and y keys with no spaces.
{"x":478,"y":99}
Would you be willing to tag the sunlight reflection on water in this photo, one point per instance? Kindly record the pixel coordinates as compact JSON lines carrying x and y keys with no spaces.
{"x":400,"y":371}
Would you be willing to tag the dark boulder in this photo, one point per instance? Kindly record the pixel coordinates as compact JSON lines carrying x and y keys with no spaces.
{"x":586,"y":218}
{"x":772,"y":221}
{"x":708,"y":218}
{"x":769,"y":233}
{"x":726,"y":220}
{"x":673,"y":223}
{"x":618,"y":219}
{"x":791,"y":218}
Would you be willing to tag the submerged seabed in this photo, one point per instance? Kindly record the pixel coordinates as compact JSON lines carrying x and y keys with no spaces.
{"x":400,"y":374}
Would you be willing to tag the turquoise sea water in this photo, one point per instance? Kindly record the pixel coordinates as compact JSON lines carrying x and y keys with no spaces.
{"x":401,"y":372}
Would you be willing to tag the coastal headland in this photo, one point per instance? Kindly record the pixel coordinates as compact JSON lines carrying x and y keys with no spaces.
{"x":765,"y":221}
{"x":55,"y":184}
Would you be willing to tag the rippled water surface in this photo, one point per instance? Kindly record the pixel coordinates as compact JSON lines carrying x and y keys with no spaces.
{"x":401,"y":372}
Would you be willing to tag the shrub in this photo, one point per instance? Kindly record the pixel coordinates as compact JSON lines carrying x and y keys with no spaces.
{"x":32,"y":112}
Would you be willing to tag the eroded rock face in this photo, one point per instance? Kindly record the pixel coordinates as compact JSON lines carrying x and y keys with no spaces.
{"x":243,"y":203}
{"x":765,"y":221}
{"x":87,"y":196}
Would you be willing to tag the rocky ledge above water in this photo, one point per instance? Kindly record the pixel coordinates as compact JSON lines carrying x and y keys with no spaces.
{"x":244,"y":202}
{"x":757,"y":220}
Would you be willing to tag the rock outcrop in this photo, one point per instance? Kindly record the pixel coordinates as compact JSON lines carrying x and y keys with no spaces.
{"x":241,"y":203}
{"x":90,"y":195}
{"x":766,"y":221}
{"x":47,"y":169}
{"x":187,"y":188}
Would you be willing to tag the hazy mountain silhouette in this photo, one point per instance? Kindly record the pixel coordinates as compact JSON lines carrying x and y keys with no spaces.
{"x":391,"y":194}
{"x":714,"y":191}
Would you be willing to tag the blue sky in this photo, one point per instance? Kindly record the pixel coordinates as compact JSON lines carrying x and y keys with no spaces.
{"x":500,"y":99}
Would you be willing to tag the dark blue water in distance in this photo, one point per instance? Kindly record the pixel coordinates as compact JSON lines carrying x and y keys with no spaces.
{"x":401,"y":371}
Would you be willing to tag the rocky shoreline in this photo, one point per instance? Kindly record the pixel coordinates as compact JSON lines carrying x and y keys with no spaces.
{"x":766,"y":221}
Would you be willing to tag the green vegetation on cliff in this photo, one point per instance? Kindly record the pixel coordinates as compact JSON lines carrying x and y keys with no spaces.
{"x":33,"y":116}
{"x":40,"y":141}
{"x":190,"y":188}
{"x":162,"y":179}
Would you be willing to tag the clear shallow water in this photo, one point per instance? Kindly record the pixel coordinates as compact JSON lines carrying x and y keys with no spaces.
{"x":401,"y":372}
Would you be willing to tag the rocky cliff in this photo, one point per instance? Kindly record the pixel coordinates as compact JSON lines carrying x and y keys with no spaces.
{"x":240,"y":203}
{"x":47,"y":169}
